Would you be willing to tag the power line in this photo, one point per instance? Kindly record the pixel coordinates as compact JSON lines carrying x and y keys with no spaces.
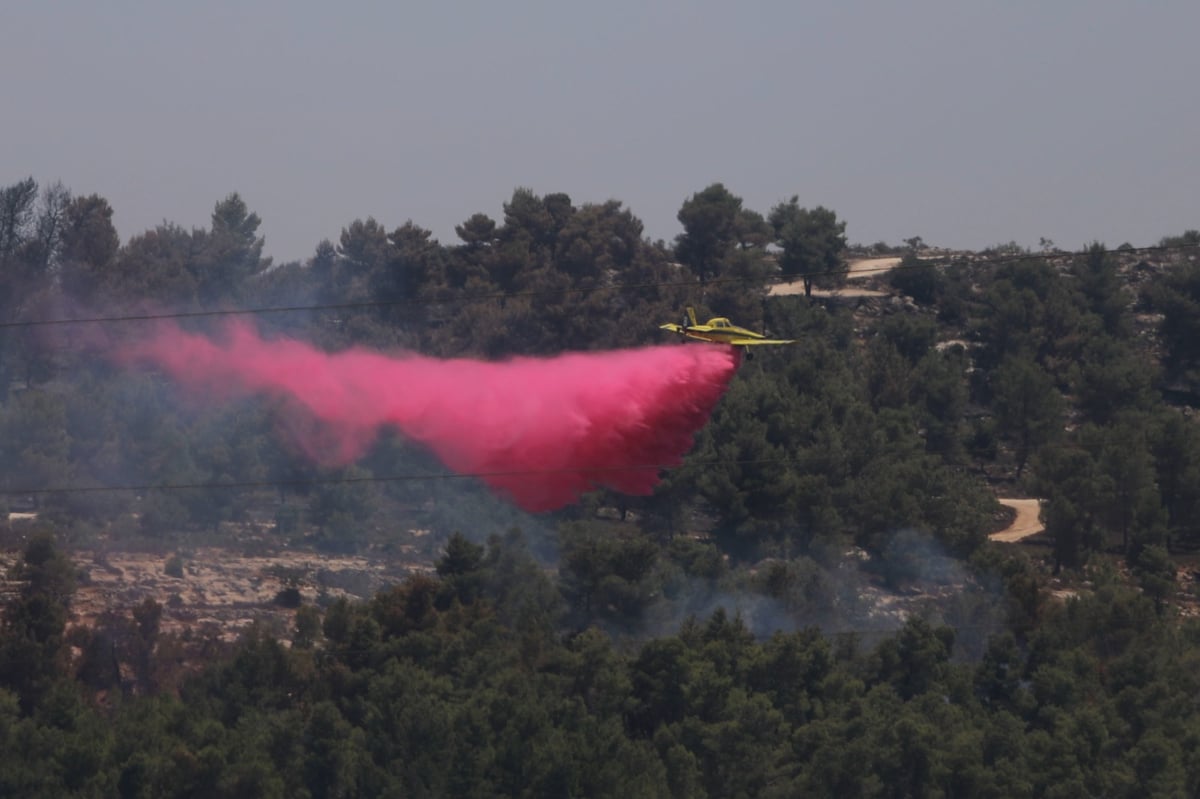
{"x":931,"y":263}
{"x":380,"y":479}
{"x":417,"y":476}
{"x":737,"y":604}
{"x":953,"y":260}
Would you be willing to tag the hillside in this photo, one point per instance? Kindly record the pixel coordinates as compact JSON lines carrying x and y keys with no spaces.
{"x":451,"y":519}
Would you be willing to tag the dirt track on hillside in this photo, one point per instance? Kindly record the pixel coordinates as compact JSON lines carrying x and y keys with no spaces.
{"x":1026,"y":522}
{"x":858,"y":270}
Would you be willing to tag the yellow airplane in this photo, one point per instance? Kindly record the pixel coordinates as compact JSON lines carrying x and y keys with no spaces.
{"x":721,"y":331}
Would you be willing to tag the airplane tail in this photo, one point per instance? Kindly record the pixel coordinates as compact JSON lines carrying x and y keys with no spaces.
{"x":691,"y":315}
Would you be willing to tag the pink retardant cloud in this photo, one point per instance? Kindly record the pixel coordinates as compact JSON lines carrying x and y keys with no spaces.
{"x":539,"y":430}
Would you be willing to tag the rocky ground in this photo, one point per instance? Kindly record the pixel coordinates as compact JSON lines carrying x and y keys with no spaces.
{"x":220,"y":589}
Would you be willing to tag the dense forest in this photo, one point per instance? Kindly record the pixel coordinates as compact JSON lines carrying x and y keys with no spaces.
{"x":709,"y":640}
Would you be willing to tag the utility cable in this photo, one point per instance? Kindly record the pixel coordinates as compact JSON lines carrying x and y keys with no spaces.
{"x":409,"y":477}
{"x":931,"y":263}
{"x":377,"y":479}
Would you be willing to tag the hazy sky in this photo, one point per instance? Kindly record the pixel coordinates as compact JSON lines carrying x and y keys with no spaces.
{"x":967,"y":123}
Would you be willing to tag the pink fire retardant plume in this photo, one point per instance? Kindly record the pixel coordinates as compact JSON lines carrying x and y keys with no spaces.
{"x":541,"y":430}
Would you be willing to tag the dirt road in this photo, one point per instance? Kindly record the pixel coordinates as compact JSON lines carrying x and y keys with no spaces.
{"x":1025,"y":524}
{"x":858,"y":270}
{"x":870,"y":267}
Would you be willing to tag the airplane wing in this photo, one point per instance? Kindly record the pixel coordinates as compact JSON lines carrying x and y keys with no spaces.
{"x":749,"y":342}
